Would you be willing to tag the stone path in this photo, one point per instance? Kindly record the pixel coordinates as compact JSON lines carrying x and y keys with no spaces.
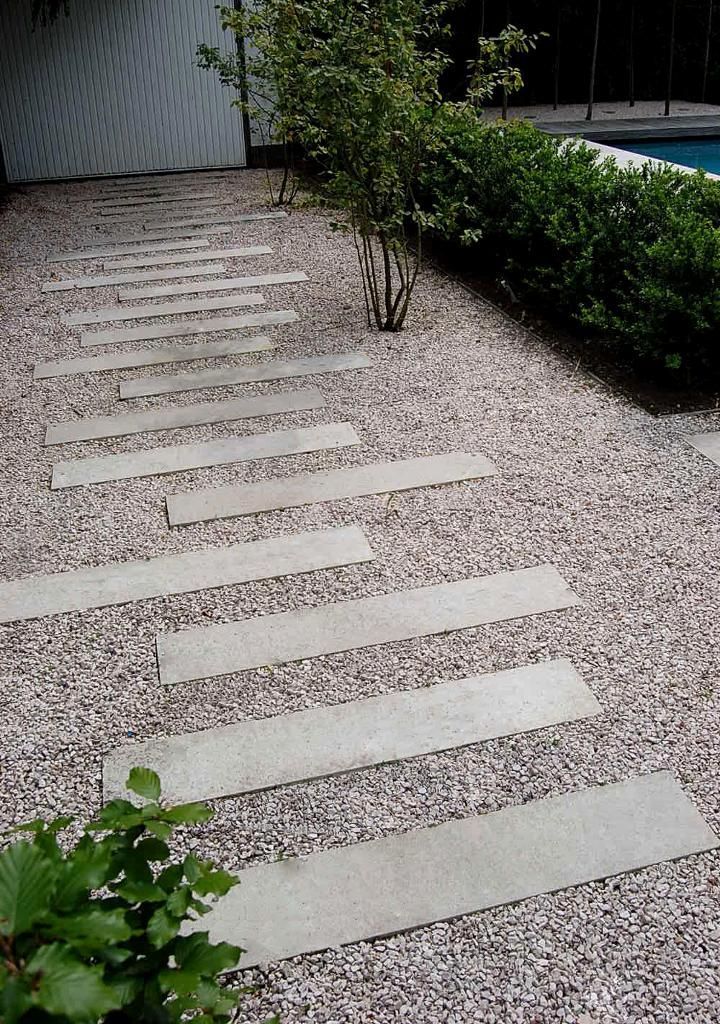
{"x":708,"y":444}
{"x":366,"y":622}
{"x":361,"y":889}
{"x":242,"y":758}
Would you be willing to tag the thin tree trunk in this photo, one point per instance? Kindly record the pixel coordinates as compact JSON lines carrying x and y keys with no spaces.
{"x":631,"y":55}
{"x":593,"y":63}
{"x":556,"y":63}
{"x":706,"y":64}
{"x":505,"y":92}
{"x":671,"y":58}
{"x":482,"y":18}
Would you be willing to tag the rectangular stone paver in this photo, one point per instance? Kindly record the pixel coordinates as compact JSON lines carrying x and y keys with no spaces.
{"x":230,"y":253}
{"x":268,"y":752}
{"x":165,"y":235}
{"x":146,"y":312}
{"x":155,"y":332}
{"x":152,"y":357}
{"x":708,"y":444}
{"x":152,"y":200}
{"x":145,"y":387}
{"x":328,"y":485}
{"x":218,"y":452}
{"x":359,"y":892}
{"x":108,"y":251}
{"x":223,"y":285}
{"x":365,"y":622}
{"x":173,"y":417}
{"x":103,"y":585}
{"x":245,"y":218}
{"x":109,"y":280}
{"x":137,"y":216}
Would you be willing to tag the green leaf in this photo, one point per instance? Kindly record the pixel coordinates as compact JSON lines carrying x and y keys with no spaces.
{"x":153,"y":848}
{"x":140,"y":892}
{"x":86,"y":868}
{"x":170,"y":877}
{"x":159,"y":828}
{"x":179,"y":902}
{"x":91,"y":927}
{"x":195,"y":953}
{"x":66,"y":987}
{"x":145,"y":782}
{"x":215,"y":883}
{"x":188,"y":814}
{"x":15,"y":998}
{"x":27,"y":880}
{"x":162,"y":927}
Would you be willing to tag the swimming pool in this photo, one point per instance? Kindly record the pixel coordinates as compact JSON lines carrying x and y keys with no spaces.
{"x":703,"y":153}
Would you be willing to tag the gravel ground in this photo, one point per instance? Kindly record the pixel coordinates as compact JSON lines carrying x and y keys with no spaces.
{"x":623,"y":507}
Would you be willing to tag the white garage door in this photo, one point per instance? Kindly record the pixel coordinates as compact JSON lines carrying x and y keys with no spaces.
{"x":113,"y":89}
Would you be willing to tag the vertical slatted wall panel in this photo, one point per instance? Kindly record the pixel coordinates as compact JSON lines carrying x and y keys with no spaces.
{"x":112,"y":90}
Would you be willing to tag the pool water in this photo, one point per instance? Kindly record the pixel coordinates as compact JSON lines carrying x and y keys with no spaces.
{"x":704,"y":153}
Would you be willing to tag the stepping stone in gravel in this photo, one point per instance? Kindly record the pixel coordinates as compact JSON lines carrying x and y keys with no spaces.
{"x":329,"y":485}
{"x":218,"y":219}
{"x":103,"y":585}
{"x":111,"y":250}
{"x":108,"y":280}
{"x":385,"y":886}
{"x":149,"y":200}
{"x":119,"y":336}
{"x":708,"y":444}
{"x":218,"y":452}
{"x":145,"y":387}
{"x":170,"y":418}
{"x":160,"y":236}
{"x":224,"y":285}
{"x":269,"y":752}
{"x":146,"y":312}
{"x":208,"y":254}
{"x":367,"y":622}
{"x":152,"y":357}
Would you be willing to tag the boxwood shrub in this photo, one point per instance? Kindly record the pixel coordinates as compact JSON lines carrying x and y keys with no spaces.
{"x":630,"y":256}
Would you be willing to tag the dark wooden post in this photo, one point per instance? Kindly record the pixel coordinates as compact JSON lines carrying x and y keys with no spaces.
{"x":593,"y":63}
{"x":556,"y":63}
{"x":631,"y":55}
{"x":671,"y":58}
{"x":708,"y":37}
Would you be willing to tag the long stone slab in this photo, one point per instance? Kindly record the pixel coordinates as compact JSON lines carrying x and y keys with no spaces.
{"x":365,"y":622}
{"x":110,"y":250}
{"x":218,"y":452}
{"x":223,"y":285}
{"x":136,"y":218}
{"x":141,"y":199}
{"x":146,"y":312}
{"x":151,"y":357}
{"x":145,"y":387}
{"x":269,"y":752}
{"x":165,"y":235}
{"x":109,"y":280}
{"x":244,"y":218}
{"x":171,"y":418}
{"x":329,"y":485}
{"x":154,"y":332}
{"x":103,"y":585}
{"x":230,"y":253}
{"x":391,"y":885}
{"x":135,"y":196}
{"x":708,"y":444}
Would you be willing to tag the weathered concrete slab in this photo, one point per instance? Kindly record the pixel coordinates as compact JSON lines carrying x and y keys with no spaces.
{"x":145,"y":387}
{"x":110,"y":280}
{"x":230,"y":253}
{"x":223,"y":285}
{"x":110,"y":250}
{"x":146,"y":312}
{"x":330,"y":485}
{"x":137,"y":217}
{"x":244,"y":218}
{"x":154,"y":332}
{"x":152,"y":357}
{"x":143,"y":199}
{"x":103,"y":585}
{"x":406,"y":881}
{"x":171,"y":418}
{"x":162,"y":235}
{"x":708,"y":444}
{"x":366,"y":622}
{"x":218,"y":452}
{"x":261,"y":754}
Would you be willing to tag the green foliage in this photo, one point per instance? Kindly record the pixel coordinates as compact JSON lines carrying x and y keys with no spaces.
{"x":629,"y":255}
{"x":94,"y":934}
{"x":492,"y":69}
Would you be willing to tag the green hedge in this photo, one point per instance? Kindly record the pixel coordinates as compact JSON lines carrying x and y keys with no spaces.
{"x":631,"y":256}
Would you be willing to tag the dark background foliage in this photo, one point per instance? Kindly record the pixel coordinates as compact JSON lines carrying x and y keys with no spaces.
{"x":577,"y":24}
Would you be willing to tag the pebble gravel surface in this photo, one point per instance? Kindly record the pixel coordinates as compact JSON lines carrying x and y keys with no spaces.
{"x":614,"y":498}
